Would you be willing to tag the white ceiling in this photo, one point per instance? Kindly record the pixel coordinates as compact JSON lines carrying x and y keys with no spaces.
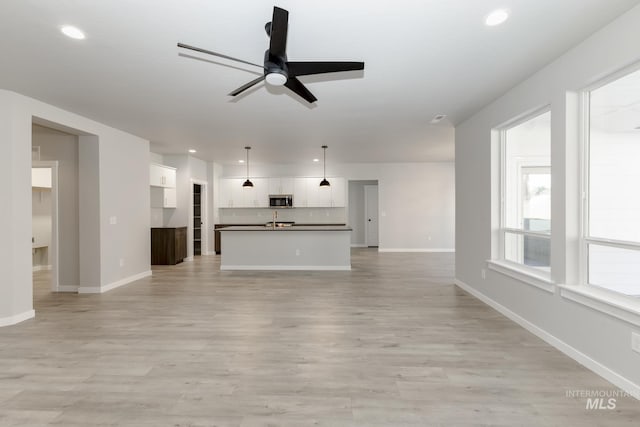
{"x":422,"y":58}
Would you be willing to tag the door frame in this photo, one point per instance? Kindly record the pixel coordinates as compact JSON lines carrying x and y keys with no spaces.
{"x":54,"y":245}
{"x":366,"y":216}
{"x":204,"y":213}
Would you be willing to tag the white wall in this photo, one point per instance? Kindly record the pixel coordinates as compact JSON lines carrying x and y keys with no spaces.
{"x":416,"y":200}
{"x":596,"y":339}
{"x":123,"y":193}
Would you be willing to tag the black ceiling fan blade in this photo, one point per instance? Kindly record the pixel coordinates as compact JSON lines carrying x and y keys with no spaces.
{"x":220,"y":55}
{"x":279,"y":28}
{"x":320,"y":67}
{"x":247,"y":86}
{"x":296,"y":86}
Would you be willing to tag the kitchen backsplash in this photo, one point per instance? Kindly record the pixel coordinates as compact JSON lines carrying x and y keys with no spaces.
{"x":298,"y":215}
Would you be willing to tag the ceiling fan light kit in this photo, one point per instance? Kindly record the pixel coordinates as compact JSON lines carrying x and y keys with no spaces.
{"x":276,"y":79}
{"x":277,"y":70}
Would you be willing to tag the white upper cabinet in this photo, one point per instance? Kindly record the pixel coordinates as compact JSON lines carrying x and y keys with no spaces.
{"x":306,"y":192}
{"x":230,"y":193}
{"x":300,"y":199}
{"x":258,"y":195}
{"x":234,"y":195}
{"x":162,"y":176}
{"x":41,"y":177}
{"x":338,"y":192}
{"x":163,"y":182}
{"x":280,"y":186}
{"x":163,"y":198}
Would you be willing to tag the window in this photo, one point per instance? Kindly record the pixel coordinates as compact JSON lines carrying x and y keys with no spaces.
{"x":611,"y":246}
{"x":525,"y":223}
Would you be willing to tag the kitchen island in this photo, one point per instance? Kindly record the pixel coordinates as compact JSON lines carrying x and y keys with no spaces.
{"x":316,"y":247}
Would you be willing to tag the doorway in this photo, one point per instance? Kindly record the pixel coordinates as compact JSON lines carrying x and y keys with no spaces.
{"x":371,"y":215}
{"x":44,"y":223}
{"x":197,"y":220}
{"x":363,"y":213}
{"x":197,"y":226}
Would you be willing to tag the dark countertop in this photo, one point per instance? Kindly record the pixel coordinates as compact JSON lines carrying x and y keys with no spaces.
{"x":293,"y":228}
{"x":295,"y":225}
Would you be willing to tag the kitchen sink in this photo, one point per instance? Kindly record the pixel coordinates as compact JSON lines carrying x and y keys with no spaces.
{"x":280,"y":224}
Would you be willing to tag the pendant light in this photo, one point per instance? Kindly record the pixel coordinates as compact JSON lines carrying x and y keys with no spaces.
{"x":324,"y":182}
{"x":247,"y":183}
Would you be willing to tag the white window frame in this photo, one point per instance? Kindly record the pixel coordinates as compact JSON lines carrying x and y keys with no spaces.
{"x":536,"y":161}
{"x":585,"y":238}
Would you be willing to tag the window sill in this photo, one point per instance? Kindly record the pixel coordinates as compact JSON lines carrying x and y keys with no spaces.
{"x":539,"y":280}
{"x":620,"y":306}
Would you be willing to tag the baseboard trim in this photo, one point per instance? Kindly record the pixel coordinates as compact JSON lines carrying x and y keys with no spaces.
{"x":41,"y":268}
{"x":286,"y":267}
{"x":416,"y":250}
{"x":358,"y":245}
{"x":67,"y":289}
{"x":113,"y":285}
{"x":210,"y":253}
{"x":12,"y":320}
{"x":187,"y":259}
{"x":613,"y":377}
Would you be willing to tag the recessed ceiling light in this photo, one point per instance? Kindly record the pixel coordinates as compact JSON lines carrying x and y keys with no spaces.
{"x":72,"y":32}
{"x":496,"y":17}
{"x":240,"y":161}
{"x":192,"y":150}
{"x":316,"y":160}
{"x":438,"y":118}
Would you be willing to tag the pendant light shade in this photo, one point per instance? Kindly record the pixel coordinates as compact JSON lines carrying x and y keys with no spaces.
{"x":324,"y":182}
{"x":247,"y":183}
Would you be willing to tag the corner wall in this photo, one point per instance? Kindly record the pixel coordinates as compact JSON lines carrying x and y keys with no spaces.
{"x":123,"y":193}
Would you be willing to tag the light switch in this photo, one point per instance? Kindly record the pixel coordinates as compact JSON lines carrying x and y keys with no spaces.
{"x":113,"y":220}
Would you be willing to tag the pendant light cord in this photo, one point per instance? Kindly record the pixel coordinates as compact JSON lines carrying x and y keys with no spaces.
{"x":324,"y":162}
{"x":247,"y":148}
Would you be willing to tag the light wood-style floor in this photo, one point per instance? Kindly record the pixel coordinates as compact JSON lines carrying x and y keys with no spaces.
{"x":391,"y":343}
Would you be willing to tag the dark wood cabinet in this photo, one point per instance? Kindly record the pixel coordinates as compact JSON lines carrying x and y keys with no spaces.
{"x":216,"y":236}
{"x":168,"y":245}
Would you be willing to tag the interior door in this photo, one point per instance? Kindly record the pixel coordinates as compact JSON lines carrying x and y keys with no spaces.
{"x":371,"y":215}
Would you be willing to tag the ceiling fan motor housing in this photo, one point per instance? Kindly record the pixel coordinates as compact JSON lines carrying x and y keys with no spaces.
{"x":275,"y":69}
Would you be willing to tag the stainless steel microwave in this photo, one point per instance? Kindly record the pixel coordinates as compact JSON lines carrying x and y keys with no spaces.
{"x":281,"y":200}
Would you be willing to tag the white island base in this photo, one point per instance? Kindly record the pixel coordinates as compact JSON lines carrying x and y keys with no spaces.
{"x":287,"y":248}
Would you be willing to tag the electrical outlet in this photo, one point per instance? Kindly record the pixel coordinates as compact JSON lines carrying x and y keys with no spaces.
{"x":429,"y":238}
{"x":297,"y":252}
{"x":483,"y":273}
{"x":121,"y":262}
{"x":635,"y":342}
{"x":113,"y":220}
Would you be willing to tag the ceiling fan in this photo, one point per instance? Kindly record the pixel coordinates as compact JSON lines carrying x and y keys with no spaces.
{"x":278,"y":71}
